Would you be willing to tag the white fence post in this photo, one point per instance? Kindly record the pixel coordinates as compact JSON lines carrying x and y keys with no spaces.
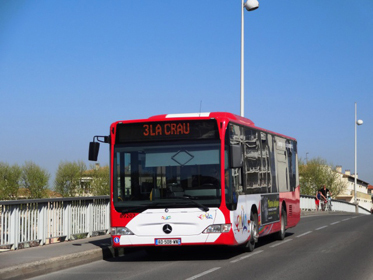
{"x":67,"y":219}
{"x":42,"y":223}
{"x":90,"y":219}
{"x":14,"y":227}
{"x":108,"y":223}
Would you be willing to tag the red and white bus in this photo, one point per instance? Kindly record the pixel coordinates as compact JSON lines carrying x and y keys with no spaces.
{"x":199,"y":179}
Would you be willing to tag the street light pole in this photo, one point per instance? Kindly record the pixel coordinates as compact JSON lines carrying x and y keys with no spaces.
{"x":250,"y":5}
{"x":242,"y":58}
{"x":357,"y":122}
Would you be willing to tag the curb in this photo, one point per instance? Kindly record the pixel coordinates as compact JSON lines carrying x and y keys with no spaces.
{"x":37,"y":268}
{"x":318,"y":213}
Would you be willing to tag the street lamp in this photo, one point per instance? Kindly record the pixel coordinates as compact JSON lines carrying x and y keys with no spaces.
{"x":357,"y":122}
{"x":250,"y":5}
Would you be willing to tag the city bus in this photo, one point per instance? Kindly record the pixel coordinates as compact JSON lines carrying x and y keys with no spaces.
{"x":199,"y":179}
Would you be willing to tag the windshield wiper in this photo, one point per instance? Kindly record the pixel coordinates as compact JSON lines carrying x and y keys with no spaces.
{"x":144,"y":207}
{"x":139,"y":209}
{"x":135,"y":209}
{"x":200,"y":205}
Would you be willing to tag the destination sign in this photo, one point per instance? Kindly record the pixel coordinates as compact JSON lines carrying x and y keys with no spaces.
{"x":163,"y":131}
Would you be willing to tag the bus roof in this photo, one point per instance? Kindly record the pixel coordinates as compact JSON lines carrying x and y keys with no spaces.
{"x":220,"y":116}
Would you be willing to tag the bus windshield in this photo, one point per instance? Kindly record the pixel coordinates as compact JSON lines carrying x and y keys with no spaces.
{"x":167,"y":174}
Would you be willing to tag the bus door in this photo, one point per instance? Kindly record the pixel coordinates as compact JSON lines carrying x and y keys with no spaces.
{"x":282,"y":164}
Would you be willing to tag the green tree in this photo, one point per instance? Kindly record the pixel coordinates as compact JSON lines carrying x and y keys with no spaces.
{"x":315,"y":173}
{"x":10,"y":177}
{"x":68,"y":178}
{"x":100,"y":184}
{"x":35,"y":179}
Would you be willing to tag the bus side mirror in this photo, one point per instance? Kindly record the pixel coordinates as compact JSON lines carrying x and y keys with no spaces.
{"x":93,"y":151}
{"x":236,"y":156}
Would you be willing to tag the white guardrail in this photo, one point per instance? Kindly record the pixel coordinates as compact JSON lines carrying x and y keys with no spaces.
{"x":45,"y":221}
{"x":307,"y":203}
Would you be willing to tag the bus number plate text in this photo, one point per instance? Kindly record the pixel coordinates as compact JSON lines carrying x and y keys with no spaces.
{"x":168,"y":241}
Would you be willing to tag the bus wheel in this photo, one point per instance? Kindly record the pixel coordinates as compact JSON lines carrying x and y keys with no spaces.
{"x":250,"y":245}
{"x":281,"y":233}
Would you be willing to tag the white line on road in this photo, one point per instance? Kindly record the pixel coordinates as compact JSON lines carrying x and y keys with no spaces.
{"x":304,"y":233}
{"x":246,"y":256}
{"x":280,"y":243}
{"x":346,"y":219}
{"x":334,"y":223}
{"x":203,"y":273}
{"x":321,"y":227}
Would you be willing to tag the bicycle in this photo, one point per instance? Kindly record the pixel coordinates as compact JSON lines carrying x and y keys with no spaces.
{"x":329,"y":204}
{"x":324,"y":203}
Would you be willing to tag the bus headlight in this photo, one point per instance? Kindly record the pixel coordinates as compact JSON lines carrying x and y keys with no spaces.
{"x":218,"y":228}
{"x":121,"y":231}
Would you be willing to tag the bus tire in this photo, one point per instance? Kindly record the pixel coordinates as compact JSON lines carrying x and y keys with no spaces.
{"x":250,"y":245}
{"x":281,"y":233}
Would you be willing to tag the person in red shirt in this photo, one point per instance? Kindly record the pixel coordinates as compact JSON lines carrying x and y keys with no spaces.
{"x":317,"y":200}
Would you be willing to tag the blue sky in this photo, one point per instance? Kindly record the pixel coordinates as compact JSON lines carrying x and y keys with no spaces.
{"x":68,"y":69}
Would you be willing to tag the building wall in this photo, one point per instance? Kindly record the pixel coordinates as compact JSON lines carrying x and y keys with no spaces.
{"x":363,"y":198}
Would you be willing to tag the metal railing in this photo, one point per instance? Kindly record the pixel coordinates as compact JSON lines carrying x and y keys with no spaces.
{"x":307,"y":203}
{"x":45,"y":220}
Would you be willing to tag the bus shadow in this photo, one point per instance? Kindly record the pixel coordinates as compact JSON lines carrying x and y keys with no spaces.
{"x":188,"y":253}
{"x":272,"y":238}
{"x":178,"y":254}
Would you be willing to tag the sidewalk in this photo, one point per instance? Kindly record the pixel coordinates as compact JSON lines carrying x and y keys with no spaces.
{"x":30,"y":262}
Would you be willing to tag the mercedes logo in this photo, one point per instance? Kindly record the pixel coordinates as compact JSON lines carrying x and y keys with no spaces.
{"x":167,"y":229}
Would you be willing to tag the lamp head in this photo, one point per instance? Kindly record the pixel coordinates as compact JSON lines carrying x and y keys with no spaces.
{"x":359,"y":122}
{"x":251,"y":5}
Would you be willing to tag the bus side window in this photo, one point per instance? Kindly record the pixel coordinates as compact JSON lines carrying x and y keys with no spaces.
{"x":292,"y":161}
{"x":272,"y":161}
{"x":253,"y":162}
{"x":233,"y":174}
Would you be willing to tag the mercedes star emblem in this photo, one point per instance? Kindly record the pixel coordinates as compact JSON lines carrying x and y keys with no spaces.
{"x":167,"y":229}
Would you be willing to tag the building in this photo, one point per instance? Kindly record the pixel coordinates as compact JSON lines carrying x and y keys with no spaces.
{"x":94,"y":181}
{"x":363,"y":193}
{"x":370,"y":192}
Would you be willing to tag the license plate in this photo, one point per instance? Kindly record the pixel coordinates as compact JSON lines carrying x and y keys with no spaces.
{"x":176,"y":241}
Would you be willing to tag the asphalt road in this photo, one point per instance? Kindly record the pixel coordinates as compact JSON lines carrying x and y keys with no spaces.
{"x":336,"y":246}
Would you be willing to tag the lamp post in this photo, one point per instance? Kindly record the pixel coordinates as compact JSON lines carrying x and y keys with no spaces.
{"x":357,"y":122}
{"x":250,"y":5}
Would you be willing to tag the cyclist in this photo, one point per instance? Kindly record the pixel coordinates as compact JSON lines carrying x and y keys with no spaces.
{"x":324,"y":194}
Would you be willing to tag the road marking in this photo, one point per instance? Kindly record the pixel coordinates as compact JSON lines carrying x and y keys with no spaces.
{"x":346,"y":219}
{"x":321,"y":227}
{"x":247,"y":256}
{"x":203,"y":273}
{"x":334,"y":223}
{"x":280,"y":243}
{"x":304,"y":233}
